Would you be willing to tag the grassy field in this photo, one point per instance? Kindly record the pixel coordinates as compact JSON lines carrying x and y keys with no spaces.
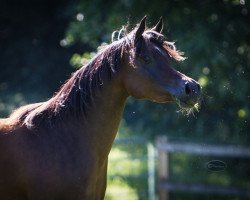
{"x":127,"y":173}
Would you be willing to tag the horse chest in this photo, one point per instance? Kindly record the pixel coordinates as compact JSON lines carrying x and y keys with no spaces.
{"x":66,"y":176}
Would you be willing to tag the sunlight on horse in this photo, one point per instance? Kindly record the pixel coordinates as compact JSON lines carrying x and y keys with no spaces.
{"x":59,"y":149}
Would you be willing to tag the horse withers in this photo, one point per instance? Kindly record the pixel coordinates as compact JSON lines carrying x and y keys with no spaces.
{"x":58,"y":149}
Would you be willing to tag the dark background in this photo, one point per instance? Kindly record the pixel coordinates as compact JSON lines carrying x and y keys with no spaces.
{"x":42,"y":42}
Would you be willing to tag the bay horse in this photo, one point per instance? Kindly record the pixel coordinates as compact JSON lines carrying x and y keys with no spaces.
{"x":58,"y":149}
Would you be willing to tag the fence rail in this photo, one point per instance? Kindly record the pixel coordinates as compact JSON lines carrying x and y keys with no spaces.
{"x":164,"y":147}
{"x":202,"y":188}
{"x":204,"y":149}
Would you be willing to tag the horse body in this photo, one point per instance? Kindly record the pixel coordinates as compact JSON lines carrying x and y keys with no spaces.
{"x":59,"y":149}
{"x":68,"y":161}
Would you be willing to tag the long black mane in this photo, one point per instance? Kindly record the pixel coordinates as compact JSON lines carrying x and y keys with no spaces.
{"x":75,"y":97}
{"x":77,"y":94}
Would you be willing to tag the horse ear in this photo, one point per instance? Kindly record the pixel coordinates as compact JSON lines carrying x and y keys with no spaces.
{"x":159,"y":26}
{"x":140,"y":29}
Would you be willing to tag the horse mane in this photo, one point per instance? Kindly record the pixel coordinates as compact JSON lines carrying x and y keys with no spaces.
{"x":77,"y":93}
{"x":169,"y":47}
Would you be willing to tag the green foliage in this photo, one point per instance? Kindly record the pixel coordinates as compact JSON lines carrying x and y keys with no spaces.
{"x":78,"y":60}
{"x":43,"y":45}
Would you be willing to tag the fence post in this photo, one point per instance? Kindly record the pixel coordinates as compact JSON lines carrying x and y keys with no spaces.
{"x":163,"y":166}
{"x":151,"y":171}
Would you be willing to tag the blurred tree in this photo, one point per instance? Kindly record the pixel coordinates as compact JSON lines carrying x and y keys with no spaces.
{"x":39,"y":40}
{"x":32,"y":61}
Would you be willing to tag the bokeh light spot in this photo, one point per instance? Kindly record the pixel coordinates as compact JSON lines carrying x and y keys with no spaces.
{"x":242,"y":113}
{"x":79,"y":17}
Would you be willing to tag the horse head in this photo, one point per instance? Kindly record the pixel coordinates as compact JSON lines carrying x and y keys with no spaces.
{"x":152,"y":75}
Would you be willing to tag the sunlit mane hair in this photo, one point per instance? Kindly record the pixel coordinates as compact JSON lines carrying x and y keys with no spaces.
{"x":169,"y":47}
{"x":75,"y":97}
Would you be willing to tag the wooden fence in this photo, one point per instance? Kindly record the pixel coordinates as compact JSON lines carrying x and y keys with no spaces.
{"x":165,"y":186}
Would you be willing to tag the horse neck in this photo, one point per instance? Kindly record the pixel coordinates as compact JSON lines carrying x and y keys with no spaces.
{"x":100,"y":123}
{"x":105,"y":114}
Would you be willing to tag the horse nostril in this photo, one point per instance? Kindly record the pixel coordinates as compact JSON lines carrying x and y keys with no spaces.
{"x":192,"y":88}
{"x":187,"y":88}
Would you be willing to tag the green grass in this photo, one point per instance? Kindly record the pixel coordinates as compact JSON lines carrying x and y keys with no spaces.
{"x":126,"y":172}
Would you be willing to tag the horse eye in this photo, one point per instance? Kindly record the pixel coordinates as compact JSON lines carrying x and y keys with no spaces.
{"x":146,"y":59}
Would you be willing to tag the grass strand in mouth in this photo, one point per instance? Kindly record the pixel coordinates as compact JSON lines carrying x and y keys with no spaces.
{"x":187,"y":110}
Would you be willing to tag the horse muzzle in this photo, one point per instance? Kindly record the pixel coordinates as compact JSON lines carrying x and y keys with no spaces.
{"x":189,"y":94}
